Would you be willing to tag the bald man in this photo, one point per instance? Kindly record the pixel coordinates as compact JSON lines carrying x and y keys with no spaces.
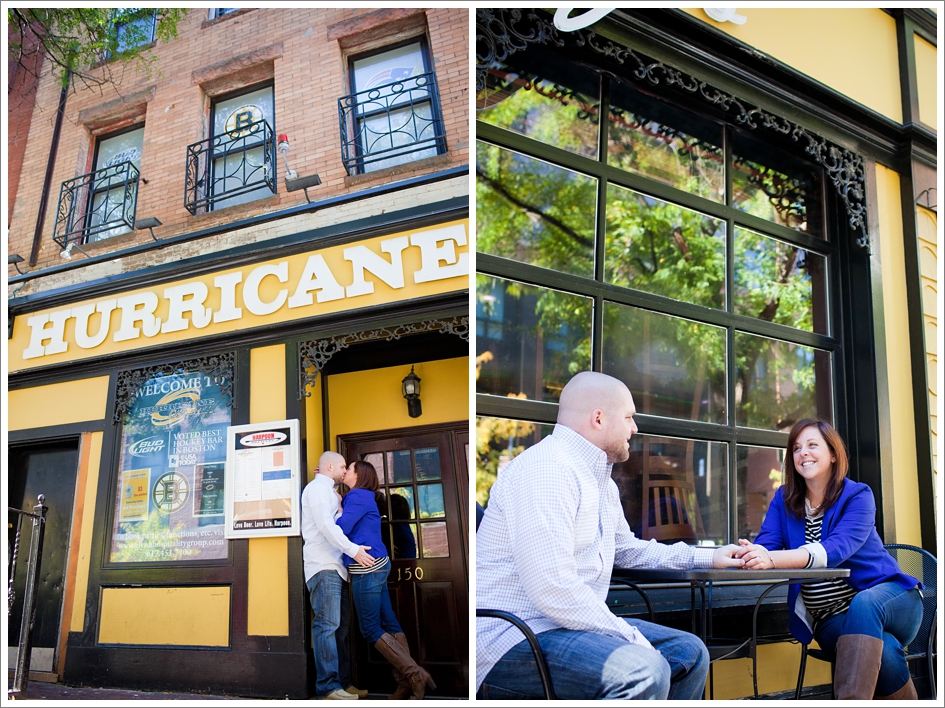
{"x":551,"y":535}
{"x":326,"y":576}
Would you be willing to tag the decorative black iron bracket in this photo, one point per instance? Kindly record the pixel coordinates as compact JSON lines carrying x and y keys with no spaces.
{"x":315,"y":354}
{"x":219,"y":368}
{"x":501,"y":33}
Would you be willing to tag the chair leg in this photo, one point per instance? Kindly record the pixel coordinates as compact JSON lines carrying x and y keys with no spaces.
{"x":800,"y":673}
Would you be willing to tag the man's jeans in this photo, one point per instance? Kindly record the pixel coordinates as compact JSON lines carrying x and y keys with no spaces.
{"x":886,"y":611}
{"x":328,"y":594}
{"x":372,"y":601}
{"x":587,"y":666}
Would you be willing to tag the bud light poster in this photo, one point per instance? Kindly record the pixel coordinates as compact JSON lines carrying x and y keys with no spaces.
{"x":170,"y":499}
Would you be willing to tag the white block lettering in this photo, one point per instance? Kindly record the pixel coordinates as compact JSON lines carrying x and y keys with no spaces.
{"x":186,"y":298}
{"x":251,"y":289}
{"x":317,"y":276}
{"x":139,"y":307}
{"x":431,"y":254}
{"x":362,"y":259}
{"x":82,"y":315}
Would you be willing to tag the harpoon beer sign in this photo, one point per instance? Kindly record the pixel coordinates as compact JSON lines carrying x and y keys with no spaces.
{"x":263,"y":480}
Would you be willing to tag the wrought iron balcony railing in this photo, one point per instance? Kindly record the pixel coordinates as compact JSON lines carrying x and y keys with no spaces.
{"x":391,"y":124}
{"x":231,"y":168}
{"x":97,"y":205}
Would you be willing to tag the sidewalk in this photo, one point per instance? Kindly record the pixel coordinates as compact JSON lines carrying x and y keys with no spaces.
{"x":40,"y":691}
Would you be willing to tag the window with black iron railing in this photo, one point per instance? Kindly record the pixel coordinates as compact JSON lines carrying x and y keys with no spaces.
{"x":391,"y":124}
{"x":234,"y":167}
{"x":97,"y":205}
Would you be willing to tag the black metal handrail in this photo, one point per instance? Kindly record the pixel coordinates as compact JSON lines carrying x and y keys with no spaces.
{"x":213,"y":174}
{"x":390,"y":122}
{"x":97,"y":202}
{"x":25,"y":645}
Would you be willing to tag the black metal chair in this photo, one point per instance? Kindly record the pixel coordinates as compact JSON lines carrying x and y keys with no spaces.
{"x":543,"y":674}
{"x":920,"y":564}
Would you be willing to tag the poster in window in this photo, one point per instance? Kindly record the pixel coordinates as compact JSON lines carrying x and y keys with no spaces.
{"x":169,"y":502}
{"x":263,"y":480}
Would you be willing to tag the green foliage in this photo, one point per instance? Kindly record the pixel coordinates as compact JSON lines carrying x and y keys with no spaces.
{"x":75,"y":40}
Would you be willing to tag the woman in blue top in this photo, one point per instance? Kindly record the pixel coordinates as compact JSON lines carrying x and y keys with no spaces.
{"x":818,"y":518}
{"x":361,"y":523}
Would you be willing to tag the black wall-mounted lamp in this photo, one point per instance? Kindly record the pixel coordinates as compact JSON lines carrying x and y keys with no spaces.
{"x":411,"y":389}
{"x":15,"y":259}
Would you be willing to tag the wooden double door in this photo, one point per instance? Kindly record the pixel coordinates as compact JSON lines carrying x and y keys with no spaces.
{"x":423,"y":473}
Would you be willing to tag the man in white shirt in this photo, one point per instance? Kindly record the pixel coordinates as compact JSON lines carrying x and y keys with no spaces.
{"x":551,"y":535}
{"x":325,"y":575}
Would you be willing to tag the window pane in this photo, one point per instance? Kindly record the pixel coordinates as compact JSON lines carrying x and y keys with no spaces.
{"x":377,"y":459}
{"x":663,"y":142}
{"x":544,"y":97}
{"x":401,"y":128}
{"x":131,"y":33}
{"x":664,"y":249}
{"x":673,"y":367}
{"x":435,"y":540}
{"x":673,"y":489}
{"x":405,"y":540}
{"x":778,"y":383}
{"x":757,"y":479}
{"x":399,"y":467}
{"x":430,"y":500}
{"x":240,"y":157}
{"x":427,"y":460}
{"x":533,"y":211}
{"x":387,"y":69}
{"x":530,"y":341}
{"x":770,"y":184}
{"x":778,"y":282}
{"x":402,"y":503}
{"x":498,"y":442}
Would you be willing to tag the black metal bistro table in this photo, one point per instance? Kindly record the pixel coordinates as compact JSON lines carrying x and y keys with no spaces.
{"x":703,"y":580}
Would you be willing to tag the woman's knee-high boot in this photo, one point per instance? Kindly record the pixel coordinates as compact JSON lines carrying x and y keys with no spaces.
{"x":857,"y":667}
{"x":399,"y":657}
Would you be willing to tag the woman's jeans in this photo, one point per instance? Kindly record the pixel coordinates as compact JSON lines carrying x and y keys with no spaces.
{"x":587,"y":666}
{"x":886,"y":611}
{"x":372,"y":601}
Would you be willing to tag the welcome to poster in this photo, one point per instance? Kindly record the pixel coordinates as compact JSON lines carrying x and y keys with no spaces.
{"x":169,"y":502}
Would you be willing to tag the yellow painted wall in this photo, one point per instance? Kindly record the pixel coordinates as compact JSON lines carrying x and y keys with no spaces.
{"x":927,"y":223}
{"x":75,"y":615}
{"x":777,"y":671}
{"x":897,"y":378}
{"x":166,"y":616}
{"x":371,"y":400}
{"x":851,"y":50}
{"x":58,"y":404}
{"x":314,"y":442}
{"x":927,"y":79}
{"x":267,"y":611}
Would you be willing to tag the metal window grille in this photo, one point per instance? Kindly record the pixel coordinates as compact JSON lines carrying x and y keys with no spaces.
{"x":391,"y":124}
{"x":100,"y":201}
{"x":229,"y":165}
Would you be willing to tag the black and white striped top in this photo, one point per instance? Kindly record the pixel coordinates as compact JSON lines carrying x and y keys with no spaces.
{"x":379,"y":563}
{"x":827,"y":597}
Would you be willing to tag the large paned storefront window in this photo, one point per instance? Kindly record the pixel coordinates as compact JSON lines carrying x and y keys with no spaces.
{"x":628,"y":228}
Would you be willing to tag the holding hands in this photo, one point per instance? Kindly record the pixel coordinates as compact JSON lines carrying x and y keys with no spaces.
{"x":753,"y":556}
{"x":727,"y":557}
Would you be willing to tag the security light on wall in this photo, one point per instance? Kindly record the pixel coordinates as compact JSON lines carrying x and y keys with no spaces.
{"x":149,"y":222}
{"x":66,"y":253}
{"x":15,"y":259}
{"x":292,"y":180}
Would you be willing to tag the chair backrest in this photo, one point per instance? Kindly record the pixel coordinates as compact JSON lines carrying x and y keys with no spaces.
{"x":920,"y":564}
{"x":479,"y":514}
{"x":670,"y":507}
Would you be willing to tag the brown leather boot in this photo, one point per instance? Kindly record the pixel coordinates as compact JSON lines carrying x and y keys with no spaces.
{"x":403,"y":683}
{"x":856,"y":667}
{"x":906,"y":693}
{"x":418,"y":677}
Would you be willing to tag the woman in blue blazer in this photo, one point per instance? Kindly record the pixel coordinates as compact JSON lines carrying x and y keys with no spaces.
{"x":361,"y":523}
{"x":820,"y":519}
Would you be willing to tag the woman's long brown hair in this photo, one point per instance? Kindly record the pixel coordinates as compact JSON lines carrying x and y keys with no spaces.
{"x":367,"y":475}
{"x":795,"y":486}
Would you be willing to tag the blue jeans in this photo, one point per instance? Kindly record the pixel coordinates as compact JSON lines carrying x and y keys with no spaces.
{"x":587,"y":666}
{"x":372,"y":601}
{"x":328,"y":594}
{"x":886,"y":611}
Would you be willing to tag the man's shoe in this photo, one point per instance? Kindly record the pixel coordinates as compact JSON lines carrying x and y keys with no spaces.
{"x":339,"y":694}
{"x":359,"y":692}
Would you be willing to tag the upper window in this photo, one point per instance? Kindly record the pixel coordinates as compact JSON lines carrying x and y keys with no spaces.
{"x":626,"y":228}
{"x":133,"y":27}
{"x":393,"y":114}
{"x":236,"y":164}
{"x":216,"y":12}
{"x":102,"y":203}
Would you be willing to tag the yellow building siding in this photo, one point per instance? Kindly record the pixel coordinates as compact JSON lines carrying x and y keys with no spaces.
{"x":267,"y":611}
{"x":76,"y":401}
{"x":371,"y":400}
{"x":897,"y":378}
{"x":166,"y":616}
{"x":777,"y":671}
{"x":85,"y":505}
{"x":927,"y":81}
{"x":827,"y":44}
{"x":927,"y":223}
